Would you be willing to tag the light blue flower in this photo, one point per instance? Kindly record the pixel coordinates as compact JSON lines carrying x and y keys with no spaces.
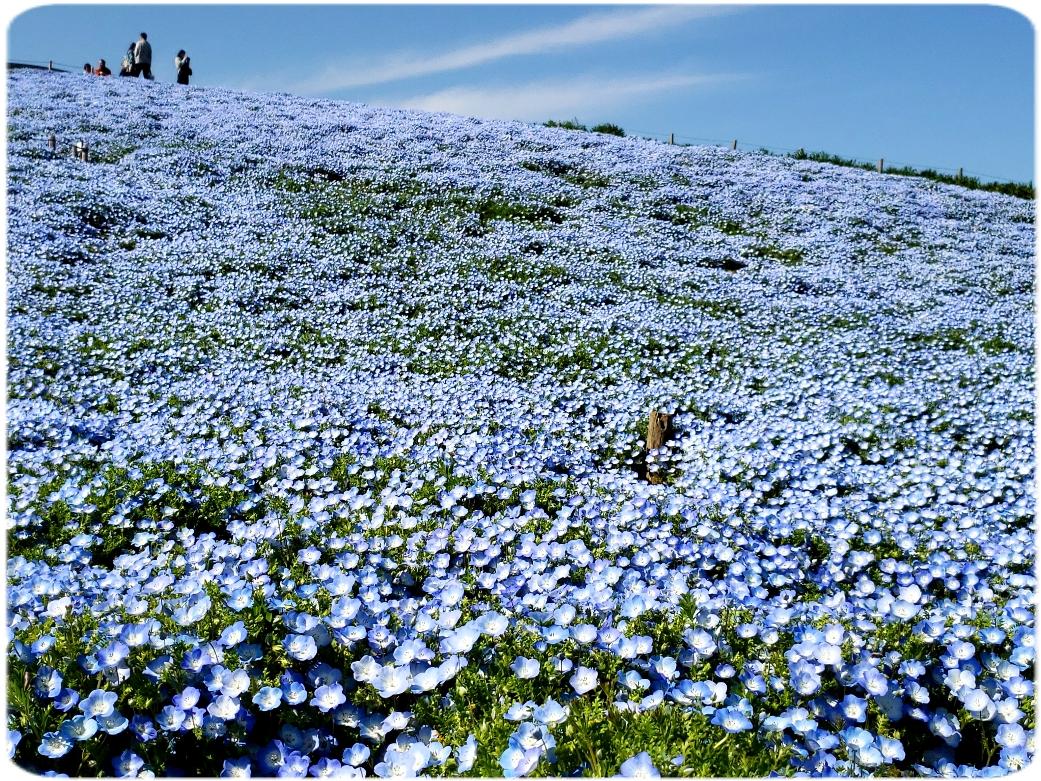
{"x":639,"y":766}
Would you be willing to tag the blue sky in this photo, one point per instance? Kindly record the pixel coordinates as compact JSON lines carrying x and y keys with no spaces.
{"x":929,"y":86}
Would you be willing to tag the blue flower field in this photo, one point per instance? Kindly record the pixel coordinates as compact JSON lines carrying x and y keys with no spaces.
{"x":326,"y":440}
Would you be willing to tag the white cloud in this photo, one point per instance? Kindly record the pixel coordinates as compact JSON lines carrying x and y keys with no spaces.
{"x":583,"y":31}
{"x":540,"y":100}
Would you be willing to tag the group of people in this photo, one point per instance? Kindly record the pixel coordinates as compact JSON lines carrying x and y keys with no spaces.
{"x":138,"y":62}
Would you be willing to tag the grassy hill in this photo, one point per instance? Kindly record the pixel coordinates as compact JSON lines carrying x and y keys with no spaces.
{"x":326,"y":429}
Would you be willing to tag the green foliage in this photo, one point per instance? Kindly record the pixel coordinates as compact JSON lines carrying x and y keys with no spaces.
{"x":789,"y":257}
{"x":609,"y":128}
{"x":566,"y":124}
{"x":573,"y":124}
{"x":574,"y":174}
{"x":1017,"y":189}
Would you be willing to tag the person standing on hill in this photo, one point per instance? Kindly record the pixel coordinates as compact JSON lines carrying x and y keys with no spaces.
{"x":126,"y":68}
{"x":143,"y":57}
{"x":183,"y":64}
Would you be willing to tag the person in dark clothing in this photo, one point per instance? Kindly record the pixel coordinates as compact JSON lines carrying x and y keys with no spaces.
{"x":183,"y":64}
{"x":101,"y":69}
{"x":143,"y":58}
{"x":87,"y":70}
{"x":126,"y":68}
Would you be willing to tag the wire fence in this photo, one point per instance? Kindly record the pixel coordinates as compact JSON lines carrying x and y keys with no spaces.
{"x":48,"y":64}
{"x":863,"y":159}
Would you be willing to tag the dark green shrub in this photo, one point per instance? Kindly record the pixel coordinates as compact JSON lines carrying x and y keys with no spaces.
{"x":567,"y":124}
{"x":609,"y":128}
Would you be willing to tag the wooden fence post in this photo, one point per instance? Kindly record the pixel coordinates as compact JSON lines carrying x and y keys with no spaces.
{"x":52,"y":143}
{"x":733,"y":144}
{"x":959,"y":173}
{"x":50,"y":65}
{"x":672,"y":138}
{"x":658,"y":431}
{"x":881,"y":164}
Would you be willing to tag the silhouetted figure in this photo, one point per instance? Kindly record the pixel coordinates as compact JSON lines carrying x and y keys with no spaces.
{"x":126,"y":68}
{"x":101,"y":69}
{"x":143,"y":58}
{"x":183,"y":64}
{"x":87,"y":70}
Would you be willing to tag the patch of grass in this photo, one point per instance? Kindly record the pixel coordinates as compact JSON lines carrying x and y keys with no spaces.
{"x":789,"y":257}
{"x":1016,"y":189}
{"x":573,"y":174}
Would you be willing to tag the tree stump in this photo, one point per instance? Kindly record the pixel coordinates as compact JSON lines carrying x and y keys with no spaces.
{"x":658,"y":432}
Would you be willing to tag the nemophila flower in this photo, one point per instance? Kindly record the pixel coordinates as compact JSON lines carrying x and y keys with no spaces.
{"x":112,"y":654}
{"x":143,"y":728}
{"x":66,"y":700}
{"x":551,"y":712}
{"x":731,"y":720}
{"x":79,"y":728}
{"x":1007,"y":711}
{"x":235,"y":683}
{"x":875,"y":683}
{"x":234,"y":634}
{"x":47,"y":682}
{"x":664,"y":667}
{"x":325,"y":768}
{"x":1013,"y":759}
{"x":1011,"y":736}
{"x":113,"y":723}
{"x":187,"y":699}
{"x":519,"y":711}
{"x":584,"y":633}
{"x":632,"y":680}
{"x":294,"y":765}
{"x":270,"y":758}
{"x":99,"y":703}
{"x":561,"y":665}
{"x":127,"y":764}
{"x":891,"y":749}
{"x":42,"y":645}
{"x":170,"y":718}
{"x":403,"y":761}
{"x":356,"y":754}
{"x":639,"y":766}
{"x":54,"y":745}
{"x":465,"y":755}
{"x":365,"y":669}
{"x":294,"y":693}
{"x":392,"y":681}
{"x":326,"y":698}
{"x":817,"y":739}
{"x":300,"y":647}
{"x":267,"y":698}
{"x":517,"y":762}
{"x":977,"y":703}
{"x":223,"y":707}
{"x":237,"y":768}
{"x":583,"y":680}
{"x":854,"y":708}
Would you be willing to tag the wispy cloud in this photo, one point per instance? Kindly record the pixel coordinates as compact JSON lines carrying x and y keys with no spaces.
{"x":539,"y":100}
{"x":583,"y":31}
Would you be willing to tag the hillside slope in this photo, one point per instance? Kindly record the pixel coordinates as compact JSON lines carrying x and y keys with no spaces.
{"x":295,"y":381}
